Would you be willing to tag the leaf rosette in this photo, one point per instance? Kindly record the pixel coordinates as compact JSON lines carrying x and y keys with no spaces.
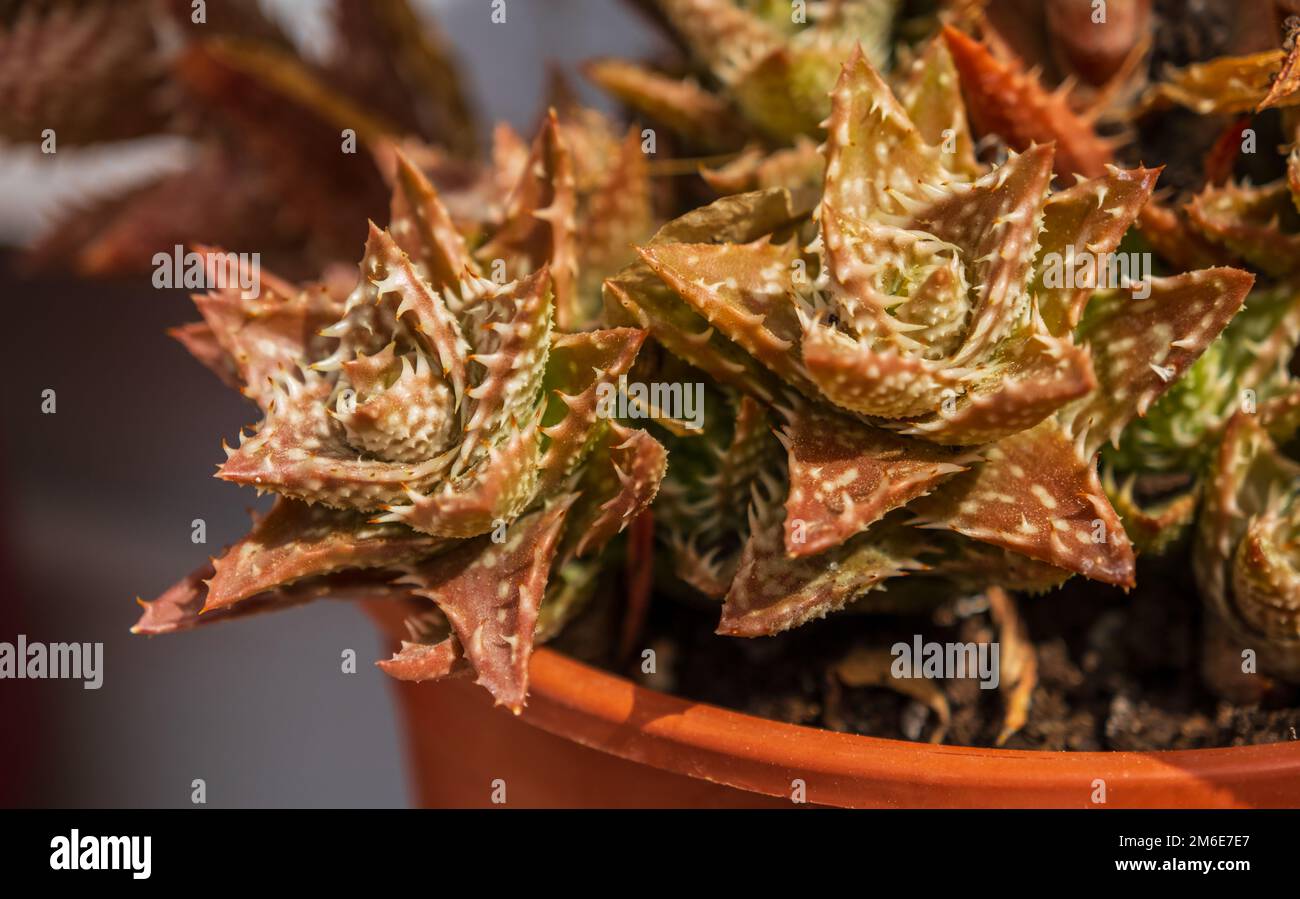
{"x":432,"y":438}
{"x":910,"y":339}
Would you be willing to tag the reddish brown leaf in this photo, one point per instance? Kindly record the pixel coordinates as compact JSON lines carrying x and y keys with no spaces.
{"x":741,"y":289}
{"x":424,"y":230}
{"x":1037,"y":376}
{"x":1035,"y":496}
{"x":845,"y":476}
{"x":639,"y":296}
{"x":1090,"y":217}
{"x":1141,"y":346}
{"x":180,"y":607}
{"x":618,"y":484}
{"x":578,"y":365}
{"x":1259,"y":224}
{"x":274,"y":458}
{"x":295,"y":541}
{"x":423,"y":661}
{"x":540,"y":224}
{"x":1287,"y":80}
{"x":270,"y":334}
{"x":1006,"y":101}
{"x":491,"y":592}
{"x":772,"y":592}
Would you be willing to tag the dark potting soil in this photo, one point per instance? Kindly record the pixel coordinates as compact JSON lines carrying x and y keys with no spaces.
{"x":1116,"y":671}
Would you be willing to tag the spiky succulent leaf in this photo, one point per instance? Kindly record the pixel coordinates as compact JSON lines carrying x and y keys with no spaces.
{"x":1003,"y":99}
{"x":181,"y":606}
{"x":1153,"y":526}
{"x":1141,"y":346}
{"x":1245,"y":367}
{"x":420,"y":661}
{"x":1258,"y":224}
{"x":1035,"y":495}
{"x":845,"y":476}
{"x":710,"y":482}
{"x":740,"y":290}
{"x":887,"y":327}
{"x":930,"y":91}
{"x":581,"y":366}
{"x":772,"y":592}
{"x":1089,"y":218}
{"x":646,"y":301}
{"x":294,"y":541}
{"x":447,"y":403}
{"x":540,"y":225}
{"x":1007,"y":102}
{"x":1286,"y":81}
{"x":618,"y":486}
{"x":423,"y":228}
{"x":263,"y":336}
{"x":491,"y":593}
{"x":929,"y":313}
{"x":1223,"y":86}
{"x":616,"y":214}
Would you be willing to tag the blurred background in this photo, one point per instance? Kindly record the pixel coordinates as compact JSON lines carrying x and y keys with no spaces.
{"x":97,"y":499}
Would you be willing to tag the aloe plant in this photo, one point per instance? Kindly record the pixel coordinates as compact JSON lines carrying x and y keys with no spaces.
{"x":762,"y":107}
{"x":430,"y":431}
{"x":770,"y":65}
{"x":1246,"y":561}
{"x":898,"y":384}
{"x":907,"y":340}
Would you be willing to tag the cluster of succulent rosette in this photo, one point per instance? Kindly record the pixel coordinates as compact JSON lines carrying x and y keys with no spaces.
{"x":897,"y":392}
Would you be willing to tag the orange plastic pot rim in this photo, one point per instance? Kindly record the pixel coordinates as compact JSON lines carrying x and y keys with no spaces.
{"x":610,"y":713}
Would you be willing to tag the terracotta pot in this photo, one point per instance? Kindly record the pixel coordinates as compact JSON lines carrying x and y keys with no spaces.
{"x":589,"y":738}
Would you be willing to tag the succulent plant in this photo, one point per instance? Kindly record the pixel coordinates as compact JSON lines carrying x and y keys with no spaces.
{"x":1246,"y":561}
{"x":1245,"y":368}
{"x":759,"y":73}
{"x":902,"y":397}
{"x":917,"y":357}
{"x":1154,"y":474}
{"x":429,"y":434}
{"x":1185,"y":462}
